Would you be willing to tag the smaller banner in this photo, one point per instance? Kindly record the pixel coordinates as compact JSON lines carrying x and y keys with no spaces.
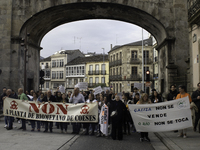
{"x":97,"y":90}
{"x":160,"y":117}
{"x":56,"y":112}
{"x":106,"y":88}
{"x":62,"y":89}
{"x":104,"y":119}
{"x":138,"y":85}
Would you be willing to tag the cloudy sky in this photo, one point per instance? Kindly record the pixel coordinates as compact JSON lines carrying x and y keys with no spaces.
{"x":90,"y":36}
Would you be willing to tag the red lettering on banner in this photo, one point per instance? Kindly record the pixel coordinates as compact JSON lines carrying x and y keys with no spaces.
{"x":33,"y":105}
{"x":62,"y":109}
{"x":51,"y":108}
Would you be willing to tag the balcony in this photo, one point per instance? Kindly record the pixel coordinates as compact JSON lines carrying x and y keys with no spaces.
{"x":135,"y":61}
{"x":115,"y":78}
{"x":148,"y":61}
{"x":115,"y":63}
{"x":93,"y":85}
{"x":193,"y":10}
{"x":135,"y":77}
{"x":97,"y":72}
{"x":156,"y":59}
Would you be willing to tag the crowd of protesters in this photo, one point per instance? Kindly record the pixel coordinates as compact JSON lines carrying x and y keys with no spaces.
{"x":120,"y":120}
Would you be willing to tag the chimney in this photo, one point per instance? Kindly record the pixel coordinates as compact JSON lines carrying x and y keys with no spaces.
{"x":110,"y":46}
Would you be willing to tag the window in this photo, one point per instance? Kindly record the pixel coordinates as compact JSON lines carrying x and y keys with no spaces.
{"x":120,"y":87}
{"x":47,"y":73}
{"x":120,"y":55}
{"x":120,"y":70}
{"x":117,"y":88}
{"x":113,"y":57}
{"x":134,"y":70}
{"x":134,"y":54}
{"x":81,"y":80}
{"x":103,"y":80}
{"x":53,"y":63}
{"x":117,"y":56}
{"x":70,"y":82}
{"x":53,"y":74}
{"x":116,"y":71}
{"x":47,"y":65}
{"x":47,"y":84}
{"x":67,"y":71}
{"x":97,"y":80}
{"x":146,"y":54}
{"x":103,"y":68}
{"x":75,"y":81}
{"x":61,"y":74}
{"x":113,"y":71}
{"x":97,"y":69}
{"x":83,"y":70}
{"x":61,"y":63}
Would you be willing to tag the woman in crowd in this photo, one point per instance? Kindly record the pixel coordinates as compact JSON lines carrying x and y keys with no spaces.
{"x":100,"y":104}
{"x":117,"y":115}
{"x":36,"y":100}
{"x":64,"y":125}
{"x":136,"y":98}
{"x":156,"y":98}
{"x":182,"y":90}
{"x":144,"y":100}
{"x":90,"y":100}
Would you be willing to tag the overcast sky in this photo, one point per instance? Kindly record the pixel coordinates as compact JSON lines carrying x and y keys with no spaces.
{"x":90,"y":36}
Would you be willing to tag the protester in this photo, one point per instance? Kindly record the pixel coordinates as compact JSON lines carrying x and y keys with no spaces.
{"x":182,"y":90}
{"x":156,"y":98}
{"x":173,"y":93}
{"x":90,"y":100}
{"x":49,"y":98}
{"x":136,"y":98}
{"x":117,"y":108}
{"x":22,"y":96}
{"x":64,"y":125}
{"x":1,"y":101}
{"x":100,"y":104}
{"x":196,"y":100}
{"x":10,"y":119}
{"x":144,"y":100}
{"x":76,"y":97}
{"x":135,"y":91}
{"x":36,"y":100}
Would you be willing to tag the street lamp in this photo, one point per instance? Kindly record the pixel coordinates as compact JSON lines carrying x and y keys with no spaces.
{"x":103,"y":65}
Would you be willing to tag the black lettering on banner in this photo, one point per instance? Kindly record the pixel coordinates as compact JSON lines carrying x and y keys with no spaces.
{"x":159,"y":123}
{"x":11,"y":112}
{"x":170,"y":106}
{"x":161,"y":107}
{"x":170,"y":122}
{"x":181,"y":120}
{"x":30,"y":115}
{"x":157,"y":115}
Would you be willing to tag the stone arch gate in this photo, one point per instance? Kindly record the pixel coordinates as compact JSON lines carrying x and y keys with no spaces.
{"x":165,"y":20}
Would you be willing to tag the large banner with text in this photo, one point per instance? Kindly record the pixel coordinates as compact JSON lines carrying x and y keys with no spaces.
{"x":56,"y":112}
{"x":160,"y":117}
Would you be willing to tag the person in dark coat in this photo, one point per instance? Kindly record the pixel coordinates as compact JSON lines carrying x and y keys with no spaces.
{"x":173,"y":93}
{"x":49,"y":98}
{"x":196,"y":100}
{"x":156,"y":98}
{"x":117,"y":120}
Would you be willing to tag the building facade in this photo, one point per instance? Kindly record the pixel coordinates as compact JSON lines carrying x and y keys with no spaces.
{"x":125,"y":64}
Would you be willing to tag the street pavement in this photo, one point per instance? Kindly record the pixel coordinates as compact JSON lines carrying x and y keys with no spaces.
{"x":17,"y":140}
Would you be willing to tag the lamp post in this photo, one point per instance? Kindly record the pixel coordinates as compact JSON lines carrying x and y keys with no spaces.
{"x":103,"y":66}
{"x":142,"y":63}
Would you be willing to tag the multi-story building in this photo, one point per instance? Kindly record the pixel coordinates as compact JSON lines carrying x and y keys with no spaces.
{"x":91,"y":69}
{"x":193,"y":76}
{"x":125,"y":63}
{"x":56,"y":66}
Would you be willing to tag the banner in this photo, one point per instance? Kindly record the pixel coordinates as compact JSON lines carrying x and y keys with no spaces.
{"x":97,"y":90}
{"x":82,"y":85}
{"x":104,"y":119}
{"x":56,"y":112}
{"x":160,"y":117}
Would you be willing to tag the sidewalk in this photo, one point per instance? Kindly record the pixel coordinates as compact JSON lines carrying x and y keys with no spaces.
{"x":170,"y":139}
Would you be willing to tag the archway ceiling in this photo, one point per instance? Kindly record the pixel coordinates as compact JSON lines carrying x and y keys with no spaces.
{"x":41,"y":23}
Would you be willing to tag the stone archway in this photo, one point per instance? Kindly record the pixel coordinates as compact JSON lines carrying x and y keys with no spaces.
{"x":166,"y":21}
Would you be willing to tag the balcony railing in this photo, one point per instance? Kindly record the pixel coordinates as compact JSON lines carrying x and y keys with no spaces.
{"x":135,"y":77}
{"x":92,"y":85}
{"x":148,"y":61}
{"x":97,"y":72}
{"x":135,"y":61}
{"x":115,"y":63}
{"x":115,"y":78}
{"x":193,"y":8}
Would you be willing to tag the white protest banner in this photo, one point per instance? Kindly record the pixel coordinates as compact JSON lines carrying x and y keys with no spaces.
{"x":82,"y":85}
{"x":97,"y":90}
{"x":104,"y":119}
{"x":62,"y":89}
{"x":76,"y":86}
{"x":160,"y":117}
{"x":56,"y":112}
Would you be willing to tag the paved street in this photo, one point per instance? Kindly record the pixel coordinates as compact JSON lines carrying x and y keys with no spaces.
{"x":17,"y":140}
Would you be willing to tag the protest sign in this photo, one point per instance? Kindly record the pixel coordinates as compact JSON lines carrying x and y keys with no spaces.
{"x":56,"y":112}
{"x":82,"y":85}
{"x":106,"y":88}
{"x":138,"y":85}
{"x":97,"y":90}
{"x":62,"y":89}
{"x":104,"y":119}
{"x":160,"y":117}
